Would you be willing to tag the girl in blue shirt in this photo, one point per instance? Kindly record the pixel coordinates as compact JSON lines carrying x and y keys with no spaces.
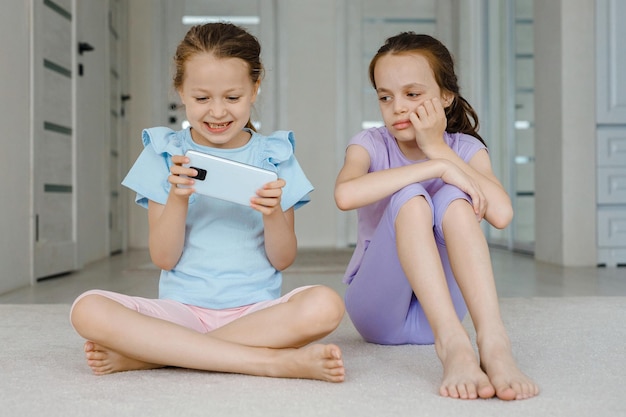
{"x":219,"y":306}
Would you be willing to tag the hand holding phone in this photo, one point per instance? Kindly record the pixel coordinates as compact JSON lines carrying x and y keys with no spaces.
{"x":226,"y":179}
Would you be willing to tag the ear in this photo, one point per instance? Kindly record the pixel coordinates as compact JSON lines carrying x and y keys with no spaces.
{"x":180,"y":95}
{"x":447,"y":98}
{"x":255,"y":91}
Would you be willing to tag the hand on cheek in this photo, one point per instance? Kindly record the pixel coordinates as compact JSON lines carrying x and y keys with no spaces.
{"x":429,"y":121}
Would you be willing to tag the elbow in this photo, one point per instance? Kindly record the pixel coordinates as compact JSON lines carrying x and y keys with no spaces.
{"x":502,"y":219}
{"x":343,"y":202}
{"x":280,"y":263}
{"x":163,"y":262}
{"x":342,"y":205}
{"x":281,"y":266}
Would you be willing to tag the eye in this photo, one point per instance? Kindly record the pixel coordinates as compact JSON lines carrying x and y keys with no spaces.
{"x":232,"y":99}
{"x":201,"y":99}
{"x":413,"y":95}
{"x":384,"y":99}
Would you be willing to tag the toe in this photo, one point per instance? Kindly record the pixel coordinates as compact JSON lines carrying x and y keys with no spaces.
{"x":486,"y":390}
{"x":505,"y":392}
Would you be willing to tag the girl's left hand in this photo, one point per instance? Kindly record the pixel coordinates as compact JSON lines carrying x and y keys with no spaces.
{"x":429,"y":121}
{"x":268,"y":198}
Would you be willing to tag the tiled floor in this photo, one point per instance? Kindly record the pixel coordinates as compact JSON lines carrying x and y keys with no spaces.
{"x":517,"y":275}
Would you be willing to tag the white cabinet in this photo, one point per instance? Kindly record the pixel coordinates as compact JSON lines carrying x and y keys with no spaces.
{"x":611,"y":195}
{"x":611,"y":133}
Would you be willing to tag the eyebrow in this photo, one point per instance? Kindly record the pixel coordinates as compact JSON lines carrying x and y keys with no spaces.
{"x":404,"y":87}
{"x":229,"y":91}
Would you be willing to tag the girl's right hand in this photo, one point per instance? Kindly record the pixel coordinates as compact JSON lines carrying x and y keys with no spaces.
{"x":176,"y":170}
{"x":454,"y":175}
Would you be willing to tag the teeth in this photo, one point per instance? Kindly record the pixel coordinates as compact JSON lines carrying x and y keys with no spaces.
{"x":217,"y":125}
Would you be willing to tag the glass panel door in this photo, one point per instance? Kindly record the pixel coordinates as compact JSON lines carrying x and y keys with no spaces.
{"x":510,"y":117}
{"x":522,"y":147}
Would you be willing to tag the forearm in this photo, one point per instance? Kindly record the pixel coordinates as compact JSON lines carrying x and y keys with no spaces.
{"x":352,"y":193}
{"x":280,"y":239}
{"x":167,"y":231}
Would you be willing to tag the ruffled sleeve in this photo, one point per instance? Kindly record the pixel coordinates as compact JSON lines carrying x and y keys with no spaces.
{"x":148,"y":175}
{"x":278,"y":155}
{"x":164,"y":140}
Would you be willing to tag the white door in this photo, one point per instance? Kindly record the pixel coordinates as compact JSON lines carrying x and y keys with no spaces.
{"x":116,"y":34}
{"x":53,"y":159}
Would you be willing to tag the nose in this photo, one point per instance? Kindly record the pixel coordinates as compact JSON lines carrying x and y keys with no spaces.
{"x":217,"y":109}
{"x":400,"y":106}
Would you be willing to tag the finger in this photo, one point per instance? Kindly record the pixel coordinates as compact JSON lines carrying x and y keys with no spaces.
{"x":179,"y":170}
{"x":269,"y":192}
{"x":415,"y":121}
{"x":176,"y":180}
{"x":429,"y":106}
{"x":476,"y":201}
{"x":179,"y":159}
{"x":266,"y":202}
{"x":422,"y":112}
{"x":262,"y":208}
{"x":437,"y":105}
{"x":483,"y":208}
{"x":184,"y":192}
{"x":279,"y":183}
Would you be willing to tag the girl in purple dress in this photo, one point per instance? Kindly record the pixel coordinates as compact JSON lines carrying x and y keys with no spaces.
{"x":421,"y":185}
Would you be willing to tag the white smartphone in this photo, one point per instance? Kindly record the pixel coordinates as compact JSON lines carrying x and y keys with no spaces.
{"x":225,"y":179}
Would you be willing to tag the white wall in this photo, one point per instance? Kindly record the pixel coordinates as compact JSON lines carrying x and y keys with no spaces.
{"x":307,"y":38}
{"x":92,"y":134}
{"x":145,"y":19}
{"x":15,"y":187}
{"x":565,"y":230}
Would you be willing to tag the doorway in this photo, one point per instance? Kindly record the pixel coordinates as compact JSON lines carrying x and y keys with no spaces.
{"x":511,"y":122}
{"x":53,"y":139}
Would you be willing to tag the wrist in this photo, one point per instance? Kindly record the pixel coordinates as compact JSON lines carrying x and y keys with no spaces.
{"x":435,"y":149}
{"x":178,"y":198}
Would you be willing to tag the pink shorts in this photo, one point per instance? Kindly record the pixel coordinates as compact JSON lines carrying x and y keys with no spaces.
{"x":200,"y":319}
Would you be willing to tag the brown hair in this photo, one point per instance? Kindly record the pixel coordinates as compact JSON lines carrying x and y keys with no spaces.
{"x":223,"y":40}
{"x":460,"y":114}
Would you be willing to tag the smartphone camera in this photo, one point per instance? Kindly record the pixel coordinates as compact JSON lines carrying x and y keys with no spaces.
{"x":201,"y":174}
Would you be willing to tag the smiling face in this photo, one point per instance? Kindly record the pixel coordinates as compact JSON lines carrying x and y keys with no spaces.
{"x":403,"y":82}
{"x":218,"y":95}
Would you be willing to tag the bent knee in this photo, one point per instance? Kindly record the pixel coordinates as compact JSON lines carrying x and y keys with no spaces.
{"x":419,"y":204}
{"x":86,"y":308}
{"x":458,"y":210}
{"x":324,"y":308}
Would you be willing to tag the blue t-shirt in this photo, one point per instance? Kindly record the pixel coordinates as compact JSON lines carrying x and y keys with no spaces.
{"x":223,"y":264}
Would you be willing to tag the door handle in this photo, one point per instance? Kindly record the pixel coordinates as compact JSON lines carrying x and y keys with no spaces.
{"x":84,"y":47}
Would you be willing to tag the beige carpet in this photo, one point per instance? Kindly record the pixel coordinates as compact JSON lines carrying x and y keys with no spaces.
{"x":574,"y":347}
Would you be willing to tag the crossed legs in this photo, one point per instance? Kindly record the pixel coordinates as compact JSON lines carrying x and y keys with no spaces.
{"x":270,"y":342}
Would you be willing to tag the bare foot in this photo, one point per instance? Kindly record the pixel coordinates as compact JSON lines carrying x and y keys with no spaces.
{"x":462,"y":376}
{"x":509,"y":382}
{"x":322,"y":362}
{"x":104,"y":361}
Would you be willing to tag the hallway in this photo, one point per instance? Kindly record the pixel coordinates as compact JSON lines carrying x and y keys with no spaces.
{"x":517,"y":275}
